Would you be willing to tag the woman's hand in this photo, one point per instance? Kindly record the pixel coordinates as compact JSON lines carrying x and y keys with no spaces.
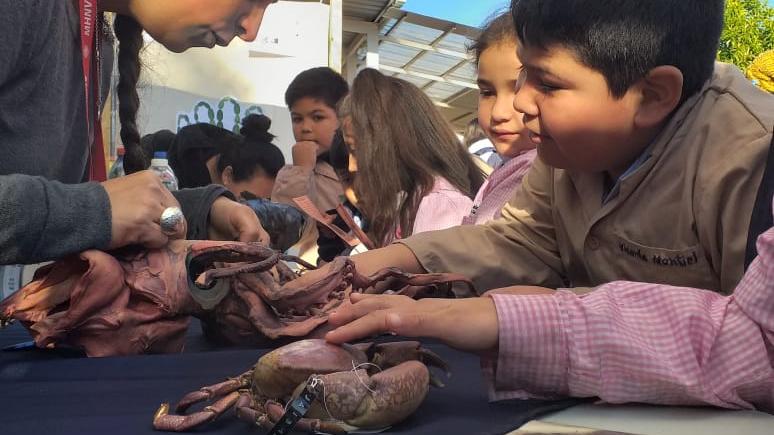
{"x":136,"y":204}
{"x":231,"y":220}
{"x":465,"y":324}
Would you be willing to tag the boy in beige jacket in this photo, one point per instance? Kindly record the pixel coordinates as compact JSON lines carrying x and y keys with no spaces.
{"x":650,"y":158}
{"x":652,"y":164}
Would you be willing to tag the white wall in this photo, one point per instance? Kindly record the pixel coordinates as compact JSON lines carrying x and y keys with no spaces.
{"x":293,"y":38}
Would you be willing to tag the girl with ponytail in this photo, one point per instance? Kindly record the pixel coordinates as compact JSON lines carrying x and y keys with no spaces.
{"x":53,"y":80}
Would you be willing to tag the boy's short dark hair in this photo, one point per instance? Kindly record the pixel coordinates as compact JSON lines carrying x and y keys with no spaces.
{"x":624,"y":39}
{"x":320,"y":83}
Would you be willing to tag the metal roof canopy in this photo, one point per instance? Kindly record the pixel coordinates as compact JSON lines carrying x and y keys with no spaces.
{"x":428,"y":52}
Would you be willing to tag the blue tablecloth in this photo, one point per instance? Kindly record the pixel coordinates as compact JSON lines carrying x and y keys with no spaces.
{"x":55,"y":392}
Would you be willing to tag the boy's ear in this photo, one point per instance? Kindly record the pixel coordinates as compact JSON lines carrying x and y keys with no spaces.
{"x":661,"y":90}
{"x":227,"y":176}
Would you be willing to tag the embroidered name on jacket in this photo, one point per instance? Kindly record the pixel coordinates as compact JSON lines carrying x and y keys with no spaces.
{"x":677,"y":260}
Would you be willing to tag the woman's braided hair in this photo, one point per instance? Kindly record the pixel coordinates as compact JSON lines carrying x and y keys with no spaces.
{"x":129,"y":35}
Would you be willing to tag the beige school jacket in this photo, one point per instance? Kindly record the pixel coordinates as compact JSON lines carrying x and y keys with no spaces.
{"x":682,"y":218}
{"x":321,"y":185}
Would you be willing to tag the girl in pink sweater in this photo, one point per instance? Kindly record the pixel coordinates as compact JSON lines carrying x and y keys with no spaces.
{"x":412,"y":173}
{"x":498,"y":71}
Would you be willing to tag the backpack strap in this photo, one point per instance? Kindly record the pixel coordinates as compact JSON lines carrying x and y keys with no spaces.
{"x":761,"y":219}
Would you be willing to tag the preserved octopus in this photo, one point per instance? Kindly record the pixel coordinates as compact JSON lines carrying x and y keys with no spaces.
{"x":136,"y":301}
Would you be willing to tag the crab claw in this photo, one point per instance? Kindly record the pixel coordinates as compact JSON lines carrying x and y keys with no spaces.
{"x":373,"y":402}
{"x":385,"y":355}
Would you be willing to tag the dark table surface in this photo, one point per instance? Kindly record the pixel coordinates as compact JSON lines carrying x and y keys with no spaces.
{"x":59,"y":392}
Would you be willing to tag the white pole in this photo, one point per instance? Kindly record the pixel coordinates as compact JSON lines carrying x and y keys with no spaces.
{"x":372,"y":58}
{"x":335,"y":35}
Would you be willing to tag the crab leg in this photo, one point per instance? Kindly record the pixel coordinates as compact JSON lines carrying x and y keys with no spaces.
{"x":180,"y":423}
{"x":213,"y":391}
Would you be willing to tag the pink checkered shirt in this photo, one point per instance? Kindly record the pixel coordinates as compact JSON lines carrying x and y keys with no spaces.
{"x":634,"y":342}
{"x":442,"y":208}
{"x":499,"y":188}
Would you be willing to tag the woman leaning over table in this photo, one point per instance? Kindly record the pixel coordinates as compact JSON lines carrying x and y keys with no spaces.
{"x":53,"y":81}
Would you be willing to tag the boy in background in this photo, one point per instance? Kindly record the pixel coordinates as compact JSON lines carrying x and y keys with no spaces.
{"x":312,"y":98}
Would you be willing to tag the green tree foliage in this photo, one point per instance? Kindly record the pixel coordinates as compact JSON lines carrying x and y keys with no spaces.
{"x":748,"y":31}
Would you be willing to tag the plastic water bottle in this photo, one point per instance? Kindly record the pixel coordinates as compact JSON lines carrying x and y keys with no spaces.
{"x":160,"y":165}
{"x":10,"y":280}
{"x":117,"y":170}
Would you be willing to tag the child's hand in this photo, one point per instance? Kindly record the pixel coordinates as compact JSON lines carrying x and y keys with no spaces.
{"x":466,"y":324}
{"x":231,"y":220}
{"x":305,"y":154}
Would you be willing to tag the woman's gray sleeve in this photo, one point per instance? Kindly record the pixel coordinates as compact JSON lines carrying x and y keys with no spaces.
{"x":196,"y":204}
{"x":42,"y":220}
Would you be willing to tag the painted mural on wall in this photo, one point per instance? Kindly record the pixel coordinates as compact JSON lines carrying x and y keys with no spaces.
{"x":227,"y":113}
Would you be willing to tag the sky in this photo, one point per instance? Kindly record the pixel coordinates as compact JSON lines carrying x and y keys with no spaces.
{"x":469,"y":12}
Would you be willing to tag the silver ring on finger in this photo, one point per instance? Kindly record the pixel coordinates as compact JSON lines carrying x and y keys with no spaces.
{"x":172,"y":221}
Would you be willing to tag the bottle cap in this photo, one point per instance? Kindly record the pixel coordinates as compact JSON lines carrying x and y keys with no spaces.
{"x":160,"y":155}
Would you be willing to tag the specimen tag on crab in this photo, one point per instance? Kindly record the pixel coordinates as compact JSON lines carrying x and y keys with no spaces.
{"x":297,"y":408}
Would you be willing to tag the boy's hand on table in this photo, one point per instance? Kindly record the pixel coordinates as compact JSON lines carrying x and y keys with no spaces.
{"x":465,"y":324}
